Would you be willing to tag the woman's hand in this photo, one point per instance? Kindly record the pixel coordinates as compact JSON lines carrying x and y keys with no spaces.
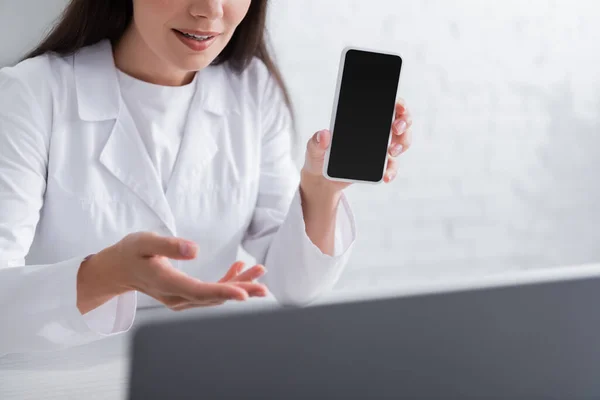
{"x":141,"y":262}
{"x":320,"y":196}
{"x":234,"y":275}
{"x":319,"y":143}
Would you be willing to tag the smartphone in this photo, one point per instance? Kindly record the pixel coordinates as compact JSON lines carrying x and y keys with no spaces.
{"x":363,"y":113}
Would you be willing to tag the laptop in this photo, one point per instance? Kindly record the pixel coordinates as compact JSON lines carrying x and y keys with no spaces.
{"x":533,"y":340}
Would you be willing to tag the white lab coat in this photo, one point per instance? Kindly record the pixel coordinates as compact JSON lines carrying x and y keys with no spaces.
{"x":75,"y":178}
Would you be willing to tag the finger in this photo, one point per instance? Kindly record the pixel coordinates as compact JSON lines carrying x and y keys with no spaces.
{"x":391,"y":170}
{"x":179,"y":283}
{"x":402,"y":124}
{"x":259,"y":293}
{"x":235,"y":269}
{"x":187,"y":306}
{"x":183,"y":308}
{"x":318,"y":144}
{"x":219,"y":291}
{"x":253,"y":289}
{"x":395,"y":148}
{"x":252,"y":274}
{"x":172,"y":301}
{"x":406,"y":139}
{"x":149,"y":244}
{"x":401,"y":143}
{"x":400,"y":106}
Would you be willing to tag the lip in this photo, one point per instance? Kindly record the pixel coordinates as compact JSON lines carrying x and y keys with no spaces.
{"x":194,"y":44}
{"x":199,"y":33}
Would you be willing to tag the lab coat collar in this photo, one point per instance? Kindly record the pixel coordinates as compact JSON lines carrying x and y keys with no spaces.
{"x":98,"y":93}
{"x":96,"y":83}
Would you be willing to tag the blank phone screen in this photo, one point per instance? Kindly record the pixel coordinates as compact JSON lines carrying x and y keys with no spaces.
{"x":364,"y":114}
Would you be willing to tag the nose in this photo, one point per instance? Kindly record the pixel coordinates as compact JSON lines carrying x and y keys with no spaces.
{"x":209,"y":9}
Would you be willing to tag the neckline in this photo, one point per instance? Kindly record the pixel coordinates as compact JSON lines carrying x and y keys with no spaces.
{"x":129,"y":82}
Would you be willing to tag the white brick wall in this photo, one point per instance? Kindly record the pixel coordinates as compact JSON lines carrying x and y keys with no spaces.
{"x":505,"y":97}
{"x":506,"y":101}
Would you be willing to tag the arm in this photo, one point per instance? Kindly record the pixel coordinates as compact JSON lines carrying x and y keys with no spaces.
{"x":38,"y":302}
{"x":319,"y":207}
{"x":302,"y":237}
{"x":321,"y":197}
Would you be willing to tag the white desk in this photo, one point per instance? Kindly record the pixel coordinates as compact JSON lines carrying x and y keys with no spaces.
{"x":100,"y":370}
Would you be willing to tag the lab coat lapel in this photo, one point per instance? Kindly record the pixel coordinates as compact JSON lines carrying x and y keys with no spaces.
{"x":214,"y":101}
{"x":124,"y":154}
{"x":126,"y":157}
{"x":198,"y":148}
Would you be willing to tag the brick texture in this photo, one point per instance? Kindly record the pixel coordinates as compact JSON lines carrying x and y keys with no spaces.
{"x":503,"y":173}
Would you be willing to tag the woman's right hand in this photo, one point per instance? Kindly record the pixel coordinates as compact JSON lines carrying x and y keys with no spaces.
{"x":141,"y":262}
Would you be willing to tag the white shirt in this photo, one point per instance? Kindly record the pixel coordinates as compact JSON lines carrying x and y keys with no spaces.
{"x":75,"y":178}
{"x":160,"y":114}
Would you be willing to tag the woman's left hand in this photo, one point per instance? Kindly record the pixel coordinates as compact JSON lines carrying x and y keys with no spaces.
{"x":319,"y":142}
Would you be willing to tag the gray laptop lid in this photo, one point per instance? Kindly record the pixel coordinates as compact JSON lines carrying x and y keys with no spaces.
{"x":535,"y":341}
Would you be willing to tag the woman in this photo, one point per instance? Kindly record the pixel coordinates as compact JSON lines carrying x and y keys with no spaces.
{"x":168,"y":119}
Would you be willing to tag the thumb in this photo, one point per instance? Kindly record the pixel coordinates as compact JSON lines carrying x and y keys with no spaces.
{"x":148,"y":245}
{"x":318,"y":144}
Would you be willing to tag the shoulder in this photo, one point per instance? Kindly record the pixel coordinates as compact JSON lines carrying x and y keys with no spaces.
{"x":34,"y":86}
{"x":256,"y":82}
{"x":257,"y":72}
{"x":38,"y":74}
{"x":27,"y":95}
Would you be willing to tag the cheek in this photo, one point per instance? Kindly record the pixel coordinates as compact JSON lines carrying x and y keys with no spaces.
{"x":234,"y":12}
{"x":160,"y":5}
{"x":152,"y":13}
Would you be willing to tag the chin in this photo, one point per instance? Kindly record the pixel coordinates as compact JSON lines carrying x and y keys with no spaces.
{"x":181,"y":56}
{"x":195,"y":65}
{"x":194,"y":62}
{"x":190,"y":63}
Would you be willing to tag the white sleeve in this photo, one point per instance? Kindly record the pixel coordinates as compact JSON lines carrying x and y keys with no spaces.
{"x":39,"y":312}
{"x":38,"y":303}
{"x":297,"y":271}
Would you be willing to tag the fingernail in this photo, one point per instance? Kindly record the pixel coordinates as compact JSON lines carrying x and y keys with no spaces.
{"x":187,"y":249}
{"x":397,"y":149}
{"x":400,"y":126}
{"x":319,"y":137}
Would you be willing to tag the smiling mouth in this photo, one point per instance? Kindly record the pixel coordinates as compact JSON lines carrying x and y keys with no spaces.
{"x":199,"y":38}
